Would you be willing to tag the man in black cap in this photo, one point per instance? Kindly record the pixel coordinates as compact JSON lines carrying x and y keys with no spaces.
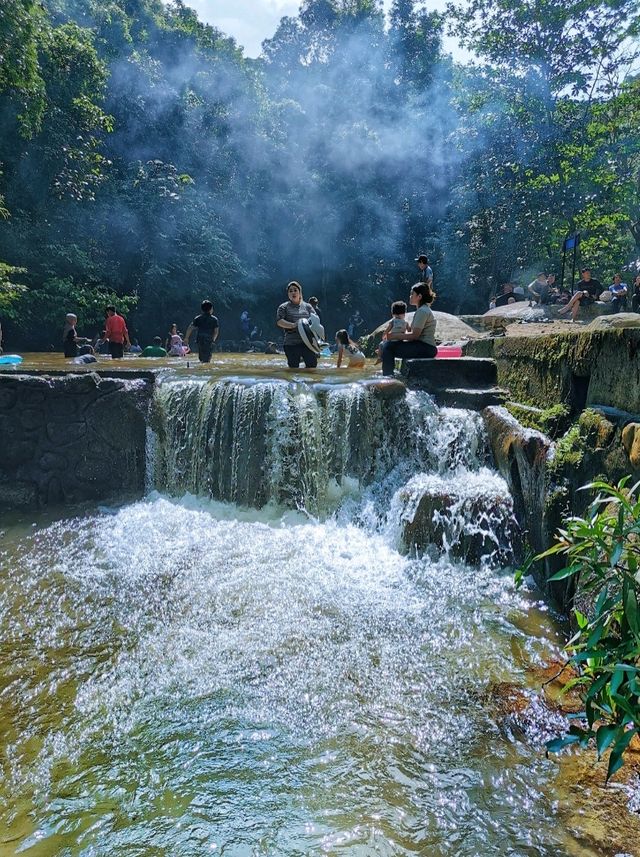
{"x":426,"y":274}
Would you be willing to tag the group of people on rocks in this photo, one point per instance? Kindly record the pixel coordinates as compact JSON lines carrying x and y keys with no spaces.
{"x":544,"y":291}
{"x":399,"y":338}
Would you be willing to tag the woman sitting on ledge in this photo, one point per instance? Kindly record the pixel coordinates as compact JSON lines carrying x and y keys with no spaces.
{"x":420,"y":340}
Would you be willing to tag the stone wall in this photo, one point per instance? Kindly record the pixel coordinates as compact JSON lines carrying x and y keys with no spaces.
{"x":70,"y":439}
{"x":599,"y":367}
{"x":546,"y":479}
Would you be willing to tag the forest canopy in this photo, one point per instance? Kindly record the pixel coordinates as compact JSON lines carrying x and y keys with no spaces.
{"x":144,"y":159}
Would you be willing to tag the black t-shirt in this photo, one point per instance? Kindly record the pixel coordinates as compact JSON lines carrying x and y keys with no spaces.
{"x":594,"y":287}
{"x":206,"y":325}
{"x":70,"y":345}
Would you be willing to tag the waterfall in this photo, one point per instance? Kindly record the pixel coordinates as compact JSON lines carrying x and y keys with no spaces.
{"x":252,"y":443}
{"x":414,"y":470}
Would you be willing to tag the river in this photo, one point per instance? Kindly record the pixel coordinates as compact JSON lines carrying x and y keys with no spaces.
{"x":224,"y":668}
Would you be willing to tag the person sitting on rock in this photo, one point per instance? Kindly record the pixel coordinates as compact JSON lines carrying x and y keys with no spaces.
{"x":508,"y":296}
{"x":619,"y":292}
{"x":539,"y":289}
{"x":419,"y":341}
{"x":587,"y":293}
{"x":397,"y":324}
{"x":635,"y":294}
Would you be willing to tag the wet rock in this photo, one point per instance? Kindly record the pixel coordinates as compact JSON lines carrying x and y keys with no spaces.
{"x":65,"y":432}
{"x":16,"y":452}
{"x":52,"y":461}
{"x":62,"y":435}
{"x":469,"y":524}
{"x":30,"y":418}
{"x":595,"y":366}
{"x":386,"y":388}
{"x":8,"y":399}
{"x":18,"y":495}
{"x":631,"y":442}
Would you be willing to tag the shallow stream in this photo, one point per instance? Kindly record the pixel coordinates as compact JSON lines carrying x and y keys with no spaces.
{"x":187,"y":676}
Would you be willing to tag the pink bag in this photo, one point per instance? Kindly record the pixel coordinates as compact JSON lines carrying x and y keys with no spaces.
{"x":449,"y":351}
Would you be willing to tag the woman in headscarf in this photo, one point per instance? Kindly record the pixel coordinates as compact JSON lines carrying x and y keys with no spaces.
{"x":289,"y":314}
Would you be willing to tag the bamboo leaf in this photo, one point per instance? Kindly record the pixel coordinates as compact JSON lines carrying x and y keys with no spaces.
{"x":604,"y":736}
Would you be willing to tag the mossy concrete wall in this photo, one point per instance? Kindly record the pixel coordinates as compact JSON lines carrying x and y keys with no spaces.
{"x":591,"y":368}
{"x":546,"y":479}
{"x":71,"y":439}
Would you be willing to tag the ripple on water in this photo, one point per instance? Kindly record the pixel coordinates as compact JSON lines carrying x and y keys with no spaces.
{"x":178,"y":676}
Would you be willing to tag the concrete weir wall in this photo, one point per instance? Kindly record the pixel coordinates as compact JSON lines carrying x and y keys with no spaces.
{"x":594,"y":367}
{"x":71,"y":438}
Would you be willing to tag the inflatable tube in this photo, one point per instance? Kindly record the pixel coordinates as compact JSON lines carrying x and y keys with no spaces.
{"x":449,"y":351}
{"x":8,"y":359}
{"x":309,"y":336}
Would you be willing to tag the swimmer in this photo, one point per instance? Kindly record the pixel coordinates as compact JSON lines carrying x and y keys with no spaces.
{"x":346,"y":346}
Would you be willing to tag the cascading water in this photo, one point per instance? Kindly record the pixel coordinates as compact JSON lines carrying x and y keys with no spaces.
{"x":229,"y":674}
{"x":309,"y":447}
{"x":286,"y":443}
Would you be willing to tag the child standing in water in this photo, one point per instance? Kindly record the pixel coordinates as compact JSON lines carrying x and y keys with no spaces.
{"x":346,"y":346}
{"x":397,"y":324}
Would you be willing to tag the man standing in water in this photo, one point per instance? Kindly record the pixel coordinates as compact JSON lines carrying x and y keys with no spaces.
{"x":116,"y":332}
{"x":208,"y":328}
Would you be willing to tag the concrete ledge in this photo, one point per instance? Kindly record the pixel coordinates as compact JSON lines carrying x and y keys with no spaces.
{"x":453,"y":372}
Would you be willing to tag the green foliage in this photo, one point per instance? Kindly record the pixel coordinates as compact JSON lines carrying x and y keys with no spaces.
{"x":602,"y":551}
{"x":10,"y":290}
{"x":49,"y":304}
{"x":140,"y":150}
{"x":22,"y":25}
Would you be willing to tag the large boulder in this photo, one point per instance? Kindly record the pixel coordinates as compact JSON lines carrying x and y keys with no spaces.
{"x":617,"y":320}
{"x":631,"y":443}
{"x":449,"y":328}
{"x":472,"y":521}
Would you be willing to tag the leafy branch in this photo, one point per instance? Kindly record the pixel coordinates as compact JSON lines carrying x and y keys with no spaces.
{"x":603,"y":551}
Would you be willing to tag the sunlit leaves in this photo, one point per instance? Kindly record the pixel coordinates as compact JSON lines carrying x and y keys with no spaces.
{"x":603,"y":551}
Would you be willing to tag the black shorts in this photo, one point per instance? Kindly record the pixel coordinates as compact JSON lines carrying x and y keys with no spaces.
{"x":205,"y":349}
{"x":116,"y":350}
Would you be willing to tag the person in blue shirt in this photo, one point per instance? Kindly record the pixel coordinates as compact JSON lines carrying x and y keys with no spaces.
{"x":619,"y":292}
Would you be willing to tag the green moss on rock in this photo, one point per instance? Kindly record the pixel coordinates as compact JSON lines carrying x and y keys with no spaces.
{"x":552,"y":421}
